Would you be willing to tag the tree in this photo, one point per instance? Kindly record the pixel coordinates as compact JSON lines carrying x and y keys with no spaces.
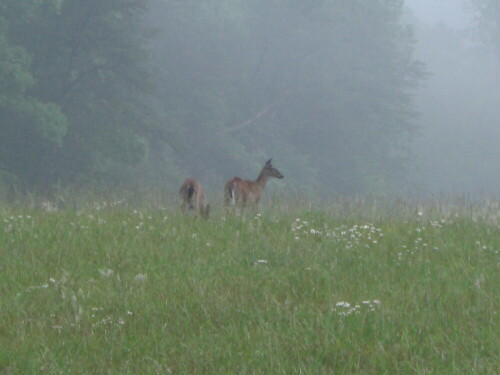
{"x":29,"y":127}
{"x":325,"y":85}
{"x":89,"y":60}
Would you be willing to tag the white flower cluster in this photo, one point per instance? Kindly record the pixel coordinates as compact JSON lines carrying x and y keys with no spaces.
{"x":106,"y":272}
{"x":355,"y":236}
{"x":16,"y":222}
{"x":437,"y":224}
{"x":419,"y":245}
{"x":345,"y":308}
{"x":97,"y":312}
{"x":260,"y":261}
{"x":301,"y":227}
{"x":49,"y":207}
{"x":75,"y":301}
{"x":35,"y":287}
{"x":350,"y":237}
{"x":108,"y":321}
{"x":485,"y":248}
{"x":140,"y":277}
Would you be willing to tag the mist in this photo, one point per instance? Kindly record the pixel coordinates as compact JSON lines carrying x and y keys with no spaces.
{"x":346,"y":97}
{"x":452,"y":13}
{"x":457,"y":145}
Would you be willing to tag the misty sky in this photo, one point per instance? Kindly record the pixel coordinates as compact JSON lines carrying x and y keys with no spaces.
{"x":449,"y":12}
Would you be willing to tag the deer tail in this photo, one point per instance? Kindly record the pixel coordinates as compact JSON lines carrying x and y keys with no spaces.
{"x":230,"y":195}
{"x":190,"y":191}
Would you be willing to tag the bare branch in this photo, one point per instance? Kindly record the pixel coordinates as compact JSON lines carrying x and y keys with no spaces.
{"x":253,"y":119}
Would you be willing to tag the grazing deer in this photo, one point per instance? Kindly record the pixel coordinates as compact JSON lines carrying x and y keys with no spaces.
{"x":240,"y":192}
{"x":192,"y":197}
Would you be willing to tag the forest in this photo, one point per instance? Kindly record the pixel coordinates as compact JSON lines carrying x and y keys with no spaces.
{"x":122,"y":93}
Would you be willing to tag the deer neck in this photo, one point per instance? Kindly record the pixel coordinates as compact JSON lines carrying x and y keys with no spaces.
{"x":261,"y":181}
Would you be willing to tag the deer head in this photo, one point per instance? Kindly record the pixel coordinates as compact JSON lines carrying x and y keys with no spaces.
{"x":270,"y":171}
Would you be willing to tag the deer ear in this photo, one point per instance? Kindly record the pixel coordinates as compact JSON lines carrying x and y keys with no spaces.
{"x":269,"y":162}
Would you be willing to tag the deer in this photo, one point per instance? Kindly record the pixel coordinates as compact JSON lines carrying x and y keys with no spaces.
{"x":192,"y":197}
{"x":239,"y":192}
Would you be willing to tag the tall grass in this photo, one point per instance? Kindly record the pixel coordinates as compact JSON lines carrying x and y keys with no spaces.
{"x":354,"y":287}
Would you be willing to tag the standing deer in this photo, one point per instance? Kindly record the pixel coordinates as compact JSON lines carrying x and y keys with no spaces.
{"x":192,"y":197}
{"x":240,"y":192}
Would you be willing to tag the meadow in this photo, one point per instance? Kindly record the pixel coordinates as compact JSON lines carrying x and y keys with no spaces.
{"x":353,"y":287}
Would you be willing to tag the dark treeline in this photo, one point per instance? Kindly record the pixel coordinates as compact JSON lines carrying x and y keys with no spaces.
{"x":148,"y":92}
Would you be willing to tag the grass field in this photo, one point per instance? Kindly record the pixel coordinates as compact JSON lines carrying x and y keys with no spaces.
{"x":352,"y":288}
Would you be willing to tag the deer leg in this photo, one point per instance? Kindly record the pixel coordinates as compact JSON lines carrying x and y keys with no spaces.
{"x":183,"y":207}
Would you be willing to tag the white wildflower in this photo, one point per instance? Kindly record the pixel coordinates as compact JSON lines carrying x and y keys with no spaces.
{"x":140,"y":277}
{"x":106,"y":273}
{"x":343,"y":304}
{"x":49,"y":206}
{"x":30,"y":288}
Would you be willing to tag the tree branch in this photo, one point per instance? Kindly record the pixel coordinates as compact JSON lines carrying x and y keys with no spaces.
{"x":251,"y":120}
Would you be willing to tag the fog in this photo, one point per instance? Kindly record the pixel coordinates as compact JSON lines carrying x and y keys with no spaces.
{"x":350,"y":97}
{"x":457,"y":147}
{"x":452,"y":13}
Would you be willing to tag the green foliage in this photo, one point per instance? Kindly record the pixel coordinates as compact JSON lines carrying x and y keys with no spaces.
{"x":51,"y":124}
{"x":16,"y":80}
{"x":88,"y":84}
{"x":14,"y":75}
{"x":28,"y":125}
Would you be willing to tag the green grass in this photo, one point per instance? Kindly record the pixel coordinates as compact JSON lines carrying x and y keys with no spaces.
{"x":113,"y":290}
